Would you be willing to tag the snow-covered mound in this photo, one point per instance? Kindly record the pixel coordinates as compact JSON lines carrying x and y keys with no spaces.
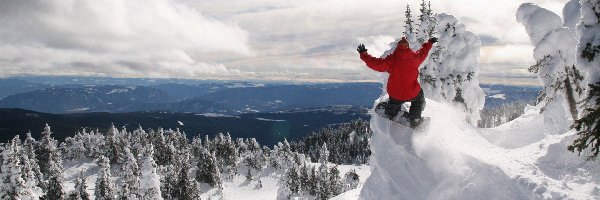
{"x":451,"y":159}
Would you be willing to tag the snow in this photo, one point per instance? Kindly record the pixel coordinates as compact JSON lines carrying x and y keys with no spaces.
{"x":245,"y":85}
{"x":118,"y":91}
{"x":270,"y":120}
{"x":78,"y":109}
{"x":572,"y":15}
{"x":453,"y":64}
{"x":498,"y":96}
{"x":589,"y":33}
{"x":236,"y":188}
{"x":454,"y":160}
{"x":215,"y":115}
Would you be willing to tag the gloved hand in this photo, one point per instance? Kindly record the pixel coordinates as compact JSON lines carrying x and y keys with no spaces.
{"x":433,"y":40}
{"x":361,"y":48}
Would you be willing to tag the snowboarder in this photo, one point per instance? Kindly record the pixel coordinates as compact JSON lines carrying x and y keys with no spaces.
{"x":403,"y":86}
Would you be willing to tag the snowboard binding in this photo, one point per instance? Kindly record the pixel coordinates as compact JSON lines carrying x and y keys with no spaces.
{"x":403,"y":117}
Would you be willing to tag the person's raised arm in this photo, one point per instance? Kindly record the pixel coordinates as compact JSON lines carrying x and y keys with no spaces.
{"x":424,"y":51}
{"x":377,"y":64}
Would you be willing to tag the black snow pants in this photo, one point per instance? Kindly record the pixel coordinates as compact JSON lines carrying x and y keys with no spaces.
{"x":393,"y":106}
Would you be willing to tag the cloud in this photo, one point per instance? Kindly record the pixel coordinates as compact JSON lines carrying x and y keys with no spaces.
{"x":260,"y":39}
{"x":140,"y":38}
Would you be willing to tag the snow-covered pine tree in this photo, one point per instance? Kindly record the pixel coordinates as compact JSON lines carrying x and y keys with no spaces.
{"x":196,"y":146}
{"x":13,"y":185}
{"x":292,"y":180}
{"x":426,"y":24}
{"x":226,"y":154}
{"x":335,"y":181}
{"x":80,"y":191}
{"x":451,"y":70}
{"x":208,"y":171}
{"x":50,"y":162}
{"x":131,"y":176}
{"x":588,"y":51}
{"x":168,"y":181}
{"x":323,"y":191}
{"x":30,"y":174}
{"x":113,"y":147}
{"x":313,"y":181}
{"x":94,"y":143}
{"x":254,"y":155}
{"x":105,"y":189}
{"x":73,"y":147}
{"x":150,"y":180}
{"x":409,"y":27}
{"x":555,"y":63}
{"x":186,"y":188}
{"x":323,"y":154}
{"x":46,"y":151}
{"x":29,"y":152}
{"x":351,"y":180}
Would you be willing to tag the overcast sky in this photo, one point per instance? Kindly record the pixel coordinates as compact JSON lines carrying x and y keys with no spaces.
{"x":305,"y":40}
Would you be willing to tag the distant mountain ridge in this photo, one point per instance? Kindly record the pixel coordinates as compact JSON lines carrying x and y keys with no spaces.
{"x":105,"y":98}
{"x":267,"y":128}
{"x":225,"y":98}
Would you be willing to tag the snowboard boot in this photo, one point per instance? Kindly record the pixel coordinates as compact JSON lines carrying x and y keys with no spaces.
{"x":416,"y":121}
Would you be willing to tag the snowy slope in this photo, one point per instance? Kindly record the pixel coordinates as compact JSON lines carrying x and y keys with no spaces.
{"x":237,"y":188}
{"x":454,"y":160}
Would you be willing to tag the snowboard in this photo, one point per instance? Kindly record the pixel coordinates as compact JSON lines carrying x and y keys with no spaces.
{"x":401,"y":119}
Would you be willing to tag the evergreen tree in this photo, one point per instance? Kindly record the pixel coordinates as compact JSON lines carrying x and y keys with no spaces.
{"x":254,"y":155}
{"x":208,"y":171}
{"x":293,"y":182}
{"x":131,"y":176}
{"x":51,"y":166}
{"x":105,"y":189}
{"x":555,"y":64}
{"x":587,"y":126}
{"x":13,"y":185}
{"x":113,"y":147}
{"x":47,"y":151}
{"x":409,"y":30}
{"x":29,"y":151}
{"x":588,"y":50}
{"x":80,"y":192}
{"x":323,"y":191}
{"x":335,"y":181}
{"x":73,"y":147}
{"x":323,"y":154}
{"x":150,"y":180}
{"x":168,"y":184}
{"x":351,"y":180}
{"x":185,"y":189}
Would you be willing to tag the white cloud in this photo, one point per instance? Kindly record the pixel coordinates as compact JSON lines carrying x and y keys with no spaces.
{"x":158,"y":38}
{"x":268,"y":39}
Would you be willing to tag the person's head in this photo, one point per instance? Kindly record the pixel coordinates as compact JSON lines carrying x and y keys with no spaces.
{"x":403,"y":42}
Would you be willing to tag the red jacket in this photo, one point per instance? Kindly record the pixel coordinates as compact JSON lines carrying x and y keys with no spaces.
{"x":403,"y":67}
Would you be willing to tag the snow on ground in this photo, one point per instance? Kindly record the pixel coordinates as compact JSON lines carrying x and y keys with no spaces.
{"x":454,"y":160}
{"x":498,"y":96}
{"x":270,"y":120}
{"x":118,"y":91}
{"x":237,"y":188}
{"x":215,"y":115}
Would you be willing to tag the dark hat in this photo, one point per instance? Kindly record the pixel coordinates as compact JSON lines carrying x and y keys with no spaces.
{"x":403,"y":40}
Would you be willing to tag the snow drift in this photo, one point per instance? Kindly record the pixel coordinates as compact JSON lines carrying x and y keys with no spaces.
{"x":451,"y":159}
